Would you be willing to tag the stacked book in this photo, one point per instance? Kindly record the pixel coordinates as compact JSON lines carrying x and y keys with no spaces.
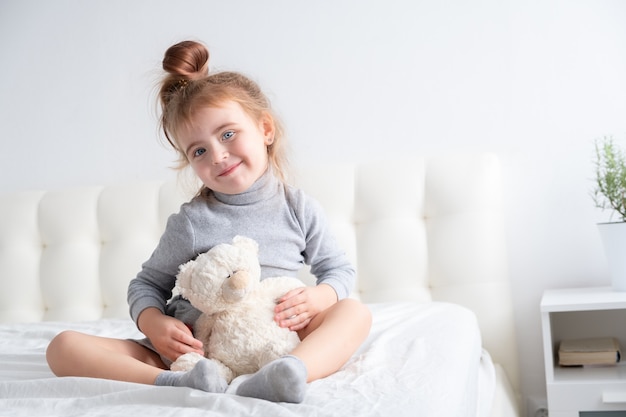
{"x":593,"y":351}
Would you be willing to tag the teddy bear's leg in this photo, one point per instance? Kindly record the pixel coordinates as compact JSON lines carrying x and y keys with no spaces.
{"x":205,"y":375}
{"x":186,"y":362}
{"x":223,"y":370}
{"x":283,"y":380}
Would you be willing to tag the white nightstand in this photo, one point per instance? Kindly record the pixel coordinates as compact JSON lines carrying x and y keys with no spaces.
{"x":581,"y":313}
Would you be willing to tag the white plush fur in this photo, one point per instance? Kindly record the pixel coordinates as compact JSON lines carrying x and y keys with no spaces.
{"x":237,"y":323}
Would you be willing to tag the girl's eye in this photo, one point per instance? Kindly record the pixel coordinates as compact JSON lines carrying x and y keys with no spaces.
{"x":198,"y":152}
{"x":228,"y":135}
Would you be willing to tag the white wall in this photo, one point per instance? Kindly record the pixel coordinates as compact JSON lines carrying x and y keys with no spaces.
{"x":535,"y":81}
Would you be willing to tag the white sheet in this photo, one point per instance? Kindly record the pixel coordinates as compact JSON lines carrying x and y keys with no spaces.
{"x":419,"y":360}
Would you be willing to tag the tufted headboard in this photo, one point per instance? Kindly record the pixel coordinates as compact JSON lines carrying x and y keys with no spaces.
{"x":417,"y":229}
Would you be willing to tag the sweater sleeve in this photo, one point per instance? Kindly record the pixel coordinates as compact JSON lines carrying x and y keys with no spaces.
{"x":153,"y":285}
{"x":329,"y":263}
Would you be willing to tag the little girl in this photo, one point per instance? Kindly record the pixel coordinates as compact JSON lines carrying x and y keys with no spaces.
{"x":223,"y":127}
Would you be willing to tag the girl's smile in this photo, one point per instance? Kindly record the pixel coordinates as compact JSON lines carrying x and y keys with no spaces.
{"x":228,"y":170}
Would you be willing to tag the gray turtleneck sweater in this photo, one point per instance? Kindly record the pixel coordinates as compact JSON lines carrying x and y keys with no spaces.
{"x":288,"y":225}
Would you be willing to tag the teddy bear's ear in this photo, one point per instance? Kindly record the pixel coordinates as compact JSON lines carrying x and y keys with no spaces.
{"x":246,"y":243}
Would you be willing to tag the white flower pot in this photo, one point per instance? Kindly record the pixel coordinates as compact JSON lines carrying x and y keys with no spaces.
{"x":613,"y":237}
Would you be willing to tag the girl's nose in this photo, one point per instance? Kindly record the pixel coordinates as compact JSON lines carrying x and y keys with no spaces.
{"x":218,"y":153}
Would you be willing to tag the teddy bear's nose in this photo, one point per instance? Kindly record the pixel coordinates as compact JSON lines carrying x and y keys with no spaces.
{"x":239,"y":280}
{"x":235,"y":288}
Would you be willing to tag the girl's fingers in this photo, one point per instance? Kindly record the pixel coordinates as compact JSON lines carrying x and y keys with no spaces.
{"x":294,"y":321}
{"x":290,"y":296}
{"x":301,"y":325}
{"x":185,"y":337}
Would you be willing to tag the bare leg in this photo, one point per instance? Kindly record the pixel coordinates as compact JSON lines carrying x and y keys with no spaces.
{"x":76,"y":354}
{"x":332,"y":337}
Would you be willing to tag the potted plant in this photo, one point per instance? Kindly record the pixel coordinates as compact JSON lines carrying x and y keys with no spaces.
{"x":610,"y":194}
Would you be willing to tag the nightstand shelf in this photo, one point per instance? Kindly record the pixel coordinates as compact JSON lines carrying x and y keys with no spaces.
{"x":583,"y":313}
{"x":594,"y":373}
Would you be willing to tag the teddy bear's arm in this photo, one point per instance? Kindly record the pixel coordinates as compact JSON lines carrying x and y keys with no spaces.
{"x":202,"y":329}
{"x":276,"y":287}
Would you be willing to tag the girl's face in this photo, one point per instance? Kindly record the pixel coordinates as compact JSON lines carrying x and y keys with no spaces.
{"x":226,"y":148}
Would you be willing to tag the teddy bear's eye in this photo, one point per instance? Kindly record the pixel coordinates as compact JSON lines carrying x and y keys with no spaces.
{"x":231,"y":274}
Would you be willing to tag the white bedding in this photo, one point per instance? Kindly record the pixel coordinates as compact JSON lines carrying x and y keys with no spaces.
{"x":419,"y":360}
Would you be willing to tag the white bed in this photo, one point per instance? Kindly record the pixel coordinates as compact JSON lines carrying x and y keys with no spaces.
{"x":392,"y":374}
{"x":431,"y":265}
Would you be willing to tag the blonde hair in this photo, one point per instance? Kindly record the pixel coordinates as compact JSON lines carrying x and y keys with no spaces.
{"x":188,"y":86}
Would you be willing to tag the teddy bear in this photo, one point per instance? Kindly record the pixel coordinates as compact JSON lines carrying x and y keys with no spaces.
{"x":237,"y":324}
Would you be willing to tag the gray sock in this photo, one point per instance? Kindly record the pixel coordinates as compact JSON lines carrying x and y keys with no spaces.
{"x":204,"y":376}
{"x":282,"y":380}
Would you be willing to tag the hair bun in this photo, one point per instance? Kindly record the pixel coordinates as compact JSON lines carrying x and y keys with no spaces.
{"x":188,"y":59}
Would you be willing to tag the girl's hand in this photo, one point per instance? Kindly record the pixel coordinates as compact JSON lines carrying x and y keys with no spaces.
{"x":296,"y":309}
{"x":170,"y":336}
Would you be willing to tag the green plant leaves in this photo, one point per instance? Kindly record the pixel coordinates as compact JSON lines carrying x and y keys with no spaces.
{"x":610,"y":190}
